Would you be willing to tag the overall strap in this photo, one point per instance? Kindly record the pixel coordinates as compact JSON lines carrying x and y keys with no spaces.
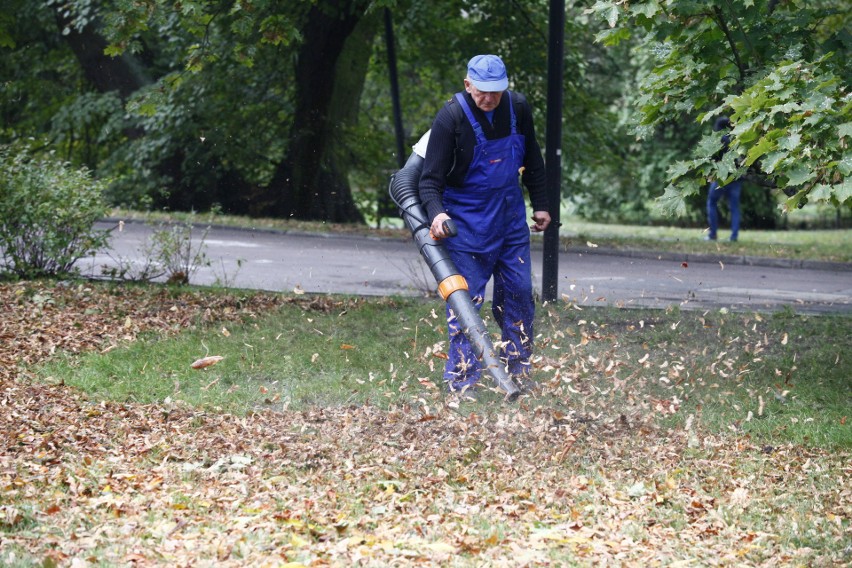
{"x":512,"y":113}
{"x":477,"y":128}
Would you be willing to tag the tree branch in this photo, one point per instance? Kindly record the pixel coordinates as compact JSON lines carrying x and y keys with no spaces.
{"x":529,"y":20}
{"x":723,"y":25}
{"x":746,"y":38}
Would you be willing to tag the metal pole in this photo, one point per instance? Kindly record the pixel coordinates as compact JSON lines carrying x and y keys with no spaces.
{"x":394,"y":83}
{"x":553,"y":149}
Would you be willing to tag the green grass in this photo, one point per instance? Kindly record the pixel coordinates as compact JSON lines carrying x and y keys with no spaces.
{"x":306,"y":357}
{"x":776,"y":378}
{"x":822,"y":245}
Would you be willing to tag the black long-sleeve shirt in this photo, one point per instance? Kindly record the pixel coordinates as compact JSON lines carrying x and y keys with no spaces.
{"x":450,"y":150}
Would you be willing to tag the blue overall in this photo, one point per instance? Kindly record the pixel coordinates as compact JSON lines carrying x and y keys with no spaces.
{"x":493,"y":239}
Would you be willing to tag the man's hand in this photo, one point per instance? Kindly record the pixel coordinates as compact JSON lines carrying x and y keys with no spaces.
{"x":541,"y":221}
{"x":437,"y":228}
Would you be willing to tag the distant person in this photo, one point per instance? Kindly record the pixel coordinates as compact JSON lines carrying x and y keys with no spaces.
{"x":731,"y":192}
{"x":482,"y":144}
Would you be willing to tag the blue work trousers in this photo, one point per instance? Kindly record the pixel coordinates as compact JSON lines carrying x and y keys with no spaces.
{"x":512,"y":306}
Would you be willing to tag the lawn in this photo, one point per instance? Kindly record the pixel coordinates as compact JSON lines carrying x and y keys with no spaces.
{"x":323,"y":436}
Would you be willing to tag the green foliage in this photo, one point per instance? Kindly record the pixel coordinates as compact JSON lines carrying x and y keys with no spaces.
{"x":216,"y":121}
{"x":47,"y":213}
{"x":603,"y":175}
{"x":777,"y":69}
{"x":89,"y":126}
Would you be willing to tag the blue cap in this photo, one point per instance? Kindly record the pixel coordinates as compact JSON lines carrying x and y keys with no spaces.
{"x":487,"y":73}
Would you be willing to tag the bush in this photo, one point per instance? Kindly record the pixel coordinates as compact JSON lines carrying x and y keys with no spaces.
{"x":47,"y":215}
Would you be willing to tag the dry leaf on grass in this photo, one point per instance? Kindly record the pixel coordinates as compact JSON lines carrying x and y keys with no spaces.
{"x":416,"y":484}
{"x":207,"y":361}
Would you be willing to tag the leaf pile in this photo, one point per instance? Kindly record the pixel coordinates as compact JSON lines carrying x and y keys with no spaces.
{"x":86,"y":482}
{"x":41,"y":319}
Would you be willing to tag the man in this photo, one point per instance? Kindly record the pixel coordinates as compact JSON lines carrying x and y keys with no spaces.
{"x":481,"y":142}
{"x":731,"y":192}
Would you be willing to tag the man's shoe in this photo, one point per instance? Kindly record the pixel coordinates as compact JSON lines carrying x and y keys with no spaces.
{"x":709,"y":238}
{"x":526,"y":384}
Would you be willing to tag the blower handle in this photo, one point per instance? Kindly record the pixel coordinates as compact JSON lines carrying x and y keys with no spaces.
{"x":450,"y":228}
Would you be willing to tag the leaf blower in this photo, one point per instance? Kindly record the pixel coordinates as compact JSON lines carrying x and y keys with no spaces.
{"x":451,"y":285}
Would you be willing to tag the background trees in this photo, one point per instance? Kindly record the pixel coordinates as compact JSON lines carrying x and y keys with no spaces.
{"x":282,"y":108}
{"x":779,"y":69}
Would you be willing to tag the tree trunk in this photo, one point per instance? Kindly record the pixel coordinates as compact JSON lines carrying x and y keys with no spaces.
{"x":104,"y":72}
{"x":312,"y":181}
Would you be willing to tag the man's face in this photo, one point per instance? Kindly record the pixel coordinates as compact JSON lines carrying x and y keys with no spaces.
{"x":485,"y":100}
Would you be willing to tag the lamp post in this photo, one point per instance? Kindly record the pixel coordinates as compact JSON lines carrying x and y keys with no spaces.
{"x":553,"y":148}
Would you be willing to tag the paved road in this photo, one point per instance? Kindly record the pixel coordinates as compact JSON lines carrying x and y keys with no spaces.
{"x":286,"y":262}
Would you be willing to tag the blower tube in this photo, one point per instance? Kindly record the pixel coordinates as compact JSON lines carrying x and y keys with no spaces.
{"x":451,"y":285}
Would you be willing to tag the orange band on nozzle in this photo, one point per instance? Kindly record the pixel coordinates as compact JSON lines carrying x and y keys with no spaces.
{"x":450,"y":284}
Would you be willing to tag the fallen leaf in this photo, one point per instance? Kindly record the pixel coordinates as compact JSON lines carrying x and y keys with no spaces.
{"x":441,"y":547}
{"x":207,"y":361}
{"x":740,"y":497}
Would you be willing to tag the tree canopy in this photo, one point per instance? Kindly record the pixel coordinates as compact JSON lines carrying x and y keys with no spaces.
{"x":283,"y":107}
{"x":778,"y":69}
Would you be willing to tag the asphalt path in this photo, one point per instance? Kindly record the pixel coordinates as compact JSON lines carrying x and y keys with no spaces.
{"x":346,"y":264}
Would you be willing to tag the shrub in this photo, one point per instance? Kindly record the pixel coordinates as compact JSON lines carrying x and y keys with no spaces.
{"x":47,"y":215}
{"x":168,"y":252}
